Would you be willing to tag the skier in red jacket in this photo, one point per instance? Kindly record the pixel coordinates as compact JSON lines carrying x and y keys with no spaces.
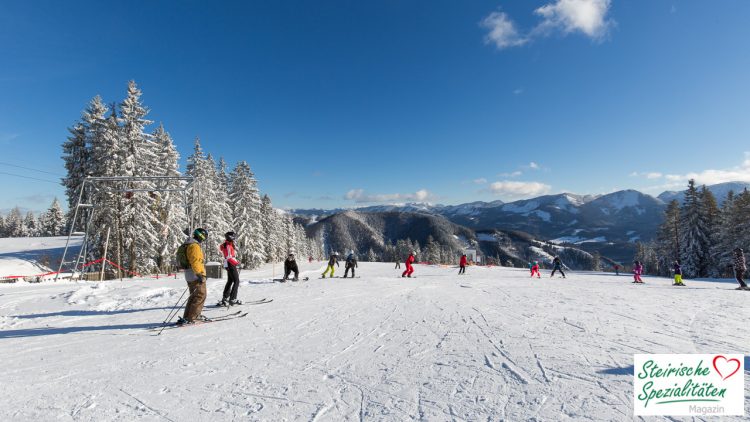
{"x":233,"y":275}
{"x":535,"y":270}
{"x":409,"y":269}
{"x":462,"y":265}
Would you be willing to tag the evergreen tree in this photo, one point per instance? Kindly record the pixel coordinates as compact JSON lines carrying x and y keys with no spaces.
{"x":2,"y":226}
{"x":76,"y":158}
{"x":694,"y":236}
{"x":140,"y":231}
{"x":52,"y":221}
{"x":668,"y":238}
{"x":711,"y":218}
{"x":432,"y":251}
{"x":171,"y":206}
{"x":14,"y":223}
{"x":269,"y":229}
{"x":30,"y":225}
{"x":246,"y":210}
{"x":721,"y":250}
{"x":371,"y":256}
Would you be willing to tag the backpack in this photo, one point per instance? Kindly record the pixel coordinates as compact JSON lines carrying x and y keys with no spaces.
{"x":182,"y":259}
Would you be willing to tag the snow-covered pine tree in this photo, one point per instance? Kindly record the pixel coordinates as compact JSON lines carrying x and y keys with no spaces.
{"x":303,"y":249}
{"x":740,"y":220}
{"x":721,"y":250}
{"x":209,"y":206}
{"x":107,"y":160}
{"x":2,"y":226}
{"x":52,"y":221}
{"x":140,"y":219}
{"x":30,"y":225}
{"x":171,"y":205}
{"x":246,"y":212}
{"x":668,"y":238}
{"x":268,"y":229}
{"x":14,"y":223}
{"x":371,"y":256}
{"x":710,"y":211}
{"x":694,"y":236}
{"x":76,"y":158}
{"x":432,"y":251}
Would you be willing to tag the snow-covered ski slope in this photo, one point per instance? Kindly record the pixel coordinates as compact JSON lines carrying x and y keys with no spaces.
{"x":24,"y":256}
{"x":491,"y":345}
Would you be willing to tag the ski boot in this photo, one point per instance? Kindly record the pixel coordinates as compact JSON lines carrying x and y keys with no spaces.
{"x":235,"y":302}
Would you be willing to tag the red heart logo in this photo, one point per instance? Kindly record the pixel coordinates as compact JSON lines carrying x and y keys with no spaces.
{"x":727,"y":364}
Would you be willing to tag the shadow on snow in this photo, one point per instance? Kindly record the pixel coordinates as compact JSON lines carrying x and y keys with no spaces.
{"x":88,"y":313}
{"x":50,"y":331}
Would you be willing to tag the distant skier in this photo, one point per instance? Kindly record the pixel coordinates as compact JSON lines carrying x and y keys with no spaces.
{"x":231,"y":263}
{"x":637,"y":271}
{"x":557,"y":265}
{"x":409,"y":269}
{"x":290,"y":266}
{"x":462,"y":265}
{"x":398,"y":264}
{"x":333,"y":260}
{"x":191,"y":258}
{"x":617,"y":269}
{"x":535,"y":270}
{"x":739,"y":268}
{"x":350,"y":264}
{"x":677,"y":268}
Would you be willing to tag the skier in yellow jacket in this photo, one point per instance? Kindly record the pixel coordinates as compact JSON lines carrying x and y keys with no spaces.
{"x":195,"y":276}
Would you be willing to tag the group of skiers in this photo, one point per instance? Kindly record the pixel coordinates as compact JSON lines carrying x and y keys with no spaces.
{"x":350,"y":264}
{"x":739,"y":266}
{"x":190,"y":258}
{"x":557,"y":266}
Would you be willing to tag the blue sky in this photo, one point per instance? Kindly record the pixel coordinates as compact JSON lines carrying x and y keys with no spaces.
{"x":340,"y":103}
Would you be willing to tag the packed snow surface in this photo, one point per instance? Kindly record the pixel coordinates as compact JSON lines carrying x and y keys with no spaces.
{"x":490,"y":345}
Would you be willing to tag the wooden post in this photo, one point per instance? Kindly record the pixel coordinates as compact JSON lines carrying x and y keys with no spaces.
{"x":104,"y":257}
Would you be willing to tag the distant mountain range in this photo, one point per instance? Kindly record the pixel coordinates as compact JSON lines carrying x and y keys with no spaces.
{"x":608,"y":223}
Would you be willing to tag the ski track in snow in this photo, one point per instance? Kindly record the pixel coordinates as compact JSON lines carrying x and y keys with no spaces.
{"x":492,"y":345}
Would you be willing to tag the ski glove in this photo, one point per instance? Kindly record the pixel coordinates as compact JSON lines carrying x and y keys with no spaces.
{"x":201,"y":278}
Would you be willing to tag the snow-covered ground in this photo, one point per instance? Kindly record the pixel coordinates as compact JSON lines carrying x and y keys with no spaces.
{"x":490,"y":345}
{"x":25,"y":256}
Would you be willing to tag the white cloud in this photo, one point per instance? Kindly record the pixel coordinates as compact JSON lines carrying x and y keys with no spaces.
{"x":586,"y":16}
{"x":502,"y":31}
{"x":533,"y":166}
{"x":516,"y":173}
{"x":518,"y":189}
{"x":480,"y":181}
{"x":647,"y":175}
{"x":740,"y":173}
{"x":360,"y":196}
{"x":567,"y":16}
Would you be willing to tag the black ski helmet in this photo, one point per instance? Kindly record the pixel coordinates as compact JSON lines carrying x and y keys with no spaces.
{"x":200,"y":234}
{"x":230,"y":236}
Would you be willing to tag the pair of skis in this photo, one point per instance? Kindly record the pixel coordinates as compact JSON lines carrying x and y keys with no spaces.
{"x":252,"y":302}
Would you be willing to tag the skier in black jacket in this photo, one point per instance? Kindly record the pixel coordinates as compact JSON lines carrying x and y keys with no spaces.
{"x":557,"y":265}
{"x":739,"y":268}
{"x":351,"y":263}
{"x":290,"y":265}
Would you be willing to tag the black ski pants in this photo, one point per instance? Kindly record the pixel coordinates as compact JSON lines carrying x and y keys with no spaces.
{"x":462,"y":269}
{"x":289,"y":271}
{"x":557,"y":269}
{"x":233,"y":283}
{"x":739,"y":274}
{"x":346,"y":272}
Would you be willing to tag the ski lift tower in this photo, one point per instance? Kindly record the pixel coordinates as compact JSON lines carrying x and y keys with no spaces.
{"x":86,"y":208}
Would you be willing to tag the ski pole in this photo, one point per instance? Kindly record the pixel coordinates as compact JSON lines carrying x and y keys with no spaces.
{"x":164,"y":325}
{"x":170,"y":316}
